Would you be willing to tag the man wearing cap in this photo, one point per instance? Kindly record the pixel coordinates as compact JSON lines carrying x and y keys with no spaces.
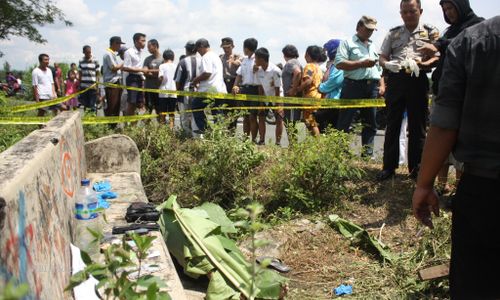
{"x":111,"y":72}
{"x":187,"y":70}
{"x":230,"y":62}
{"x":407,"y":86}
{"x":210,"y":80}
{"x":363,"y":79}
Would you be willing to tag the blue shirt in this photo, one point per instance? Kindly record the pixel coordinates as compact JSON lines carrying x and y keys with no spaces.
{"x":333,"y":85}
{"x":354,"y":49}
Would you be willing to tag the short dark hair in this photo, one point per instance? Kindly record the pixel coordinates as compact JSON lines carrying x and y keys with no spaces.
{"x":202,"y":43}
{"x":251,"y":44}
{"x":316,"y":53}
{"x":419,"y":3}
{"x":154,"y":42}
{"x":290,"y":51}
{"x":41,"y":56}
{"x":85,"y":48}
{"x":262,"y":53}
{"x":137,"y":36}
{"x":168,"y":55}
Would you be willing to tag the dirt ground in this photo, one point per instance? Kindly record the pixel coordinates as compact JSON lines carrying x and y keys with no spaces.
{"x":323,"y":259}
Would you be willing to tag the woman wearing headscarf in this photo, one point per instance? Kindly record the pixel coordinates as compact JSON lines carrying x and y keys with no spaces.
{"x":330,"y":87}
{"x":460,"y":16}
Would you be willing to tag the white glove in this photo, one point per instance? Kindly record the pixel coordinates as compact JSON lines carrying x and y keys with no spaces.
{"x":411,"y":67}
{"x":392,"y":66}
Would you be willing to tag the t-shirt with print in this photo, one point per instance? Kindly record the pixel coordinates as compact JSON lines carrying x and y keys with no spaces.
{"x":167,"y":72}
{"x":312,"y":71}
{"x":188,"y":68}
{"x":269,"y":79}
{"x":211,"y":63}
{"x":89,"y":69}
{"x":43,"y":80}
{"x":152,"y":62}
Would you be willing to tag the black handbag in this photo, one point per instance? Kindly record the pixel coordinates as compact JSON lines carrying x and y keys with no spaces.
{"x":141,"y":211}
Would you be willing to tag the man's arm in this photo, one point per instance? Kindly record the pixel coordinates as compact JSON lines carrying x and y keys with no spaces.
{"x":297,"y":76}
{"x":202,"y":77}
{"x":236,"y":85}
{"x":381,"y":86}
{"x":438,"y":146}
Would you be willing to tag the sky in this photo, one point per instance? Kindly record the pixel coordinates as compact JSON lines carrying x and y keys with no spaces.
{"x":274,"y":23}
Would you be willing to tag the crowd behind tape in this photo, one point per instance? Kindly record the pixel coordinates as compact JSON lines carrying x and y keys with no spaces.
{"x":269,"y":102}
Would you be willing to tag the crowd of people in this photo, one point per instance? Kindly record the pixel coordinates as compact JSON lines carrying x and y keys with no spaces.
{"x":356,"y":69}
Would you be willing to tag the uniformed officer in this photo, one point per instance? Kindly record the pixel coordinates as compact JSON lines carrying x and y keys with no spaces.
{"x":407,"y":86}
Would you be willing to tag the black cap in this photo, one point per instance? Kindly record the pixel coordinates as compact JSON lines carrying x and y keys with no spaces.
{"x":227,"y":41}
{"x":115,"y":39}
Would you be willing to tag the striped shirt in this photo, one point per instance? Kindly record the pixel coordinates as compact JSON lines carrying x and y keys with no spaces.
{"x":89,"y":69}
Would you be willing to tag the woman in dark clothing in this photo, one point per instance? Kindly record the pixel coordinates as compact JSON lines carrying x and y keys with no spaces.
{"x":459,"y":15}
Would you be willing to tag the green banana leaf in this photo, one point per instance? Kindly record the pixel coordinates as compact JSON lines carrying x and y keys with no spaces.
{"x":197,"y":239}
{"x":360,"y":236}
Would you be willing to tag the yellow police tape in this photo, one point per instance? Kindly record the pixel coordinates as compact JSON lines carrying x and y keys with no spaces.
{"x":320,"y":103}
{"x":42,"y":104}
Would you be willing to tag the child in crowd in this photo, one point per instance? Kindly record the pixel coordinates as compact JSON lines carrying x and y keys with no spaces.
{"x":167,"y":102}
{"x":71,"y":86}
{"x":311,"y":79}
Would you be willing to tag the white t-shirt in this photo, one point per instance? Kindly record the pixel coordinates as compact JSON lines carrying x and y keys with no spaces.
{"x":43,"y":81}
{"x":167,"y":73}
{"x":246,"y":72}
{"x":134,"y":58}
{"x":270,"y":79}
{"x":211,"y":63}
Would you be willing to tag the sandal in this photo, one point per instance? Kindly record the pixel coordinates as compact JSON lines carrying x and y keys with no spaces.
{"x":274,"y":263}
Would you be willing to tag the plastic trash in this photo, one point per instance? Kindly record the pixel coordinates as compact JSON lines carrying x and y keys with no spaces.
{"x":343,"y":290}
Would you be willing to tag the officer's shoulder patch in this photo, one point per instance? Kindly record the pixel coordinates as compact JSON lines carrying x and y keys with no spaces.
{"x":430,"y":27}
{"x":396,"y":28}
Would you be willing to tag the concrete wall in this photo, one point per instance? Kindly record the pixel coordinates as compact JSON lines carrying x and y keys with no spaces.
{"x":39,"y":178}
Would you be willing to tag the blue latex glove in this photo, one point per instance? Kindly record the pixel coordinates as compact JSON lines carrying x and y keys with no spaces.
{"x":103,"y":203}
{"x":102,"y":186}
{"x":107,"y":195}
{"x":343,"y":290}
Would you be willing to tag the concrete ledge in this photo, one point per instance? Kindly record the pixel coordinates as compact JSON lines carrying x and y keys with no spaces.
{"x":114,"y":153}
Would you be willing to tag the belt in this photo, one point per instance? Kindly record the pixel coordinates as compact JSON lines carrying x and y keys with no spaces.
{"x":481,"y":172}
{"x":249,"y":86}
{"x":367,"y":81}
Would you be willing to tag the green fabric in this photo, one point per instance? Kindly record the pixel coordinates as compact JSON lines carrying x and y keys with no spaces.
{"x":358,"y":235}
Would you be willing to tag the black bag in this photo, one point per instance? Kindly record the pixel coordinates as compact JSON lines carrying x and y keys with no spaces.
{"x":142,"y":211}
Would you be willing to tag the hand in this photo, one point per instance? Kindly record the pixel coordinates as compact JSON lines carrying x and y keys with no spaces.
{"x":292,"y":92}
{"x":425,"y":64}
{"x":381,"y":91}
{"x":392,"y":66}
{"x":368,"y":63}
{"x":255,"y":68}
{"x":236,"y":89}
{"x":428,"y":50}
{"x":425,"y":201}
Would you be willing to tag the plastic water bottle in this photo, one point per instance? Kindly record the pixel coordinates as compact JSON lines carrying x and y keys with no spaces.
{"x":87,"y":217}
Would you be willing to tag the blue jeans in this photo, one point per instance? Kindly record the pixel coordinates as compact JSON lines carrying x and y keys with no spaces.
{"x":360,"y":89}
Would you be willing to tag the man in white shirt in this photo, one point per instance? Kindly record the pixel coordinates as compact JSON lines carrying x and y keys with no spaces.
{"x":246,"y":83}
{"x":167,"y":102}
{"x":269,"y":79}
{"x":210,"y":80}
{"x":43,"y":85}
{"x":134,"y":64}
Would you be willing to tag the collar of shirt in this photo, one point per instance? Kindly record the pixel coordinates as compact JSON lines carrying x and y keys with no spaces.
{"x":356,"y":39}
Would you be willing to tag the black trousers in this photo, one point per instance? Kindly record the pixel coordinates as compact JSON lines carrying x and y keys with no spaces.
{"x":408,"y":93}
{"x":475,"y":237}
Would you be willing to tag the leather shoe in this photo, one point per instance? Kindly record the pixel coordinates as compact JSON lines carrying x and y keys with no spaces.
{"x":385,"y":174}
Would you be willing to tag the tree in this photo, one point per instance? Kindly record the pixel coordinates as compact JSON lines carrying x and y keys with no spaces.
{"x":21,"y":18}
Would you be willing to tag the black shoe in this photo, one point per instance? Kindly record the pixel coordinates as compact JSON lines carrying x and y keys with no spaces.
{"x":414,"y":174}
{"x":385,"y":174}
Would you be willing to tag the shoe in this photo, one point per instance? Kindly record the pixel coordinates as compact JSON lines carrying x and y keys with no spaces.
{"x":261,"y":143}
{"x":385,"y":174}
{"x":414,"y":174}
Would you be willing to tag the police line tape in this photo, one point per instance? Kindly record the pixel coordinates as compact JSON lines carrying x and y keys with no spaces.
{"x":318,"y":103}
{"x":43,"y":104}
{"x":87,"y":120}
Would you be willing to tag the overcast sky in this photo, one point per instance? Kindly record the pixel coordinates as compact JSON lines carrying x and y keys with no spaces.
{"x":274,"y":23}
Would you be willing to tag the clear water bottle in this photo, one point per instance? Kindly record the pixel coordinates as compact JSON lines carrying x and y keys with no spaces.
{"x":87,"y":217}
